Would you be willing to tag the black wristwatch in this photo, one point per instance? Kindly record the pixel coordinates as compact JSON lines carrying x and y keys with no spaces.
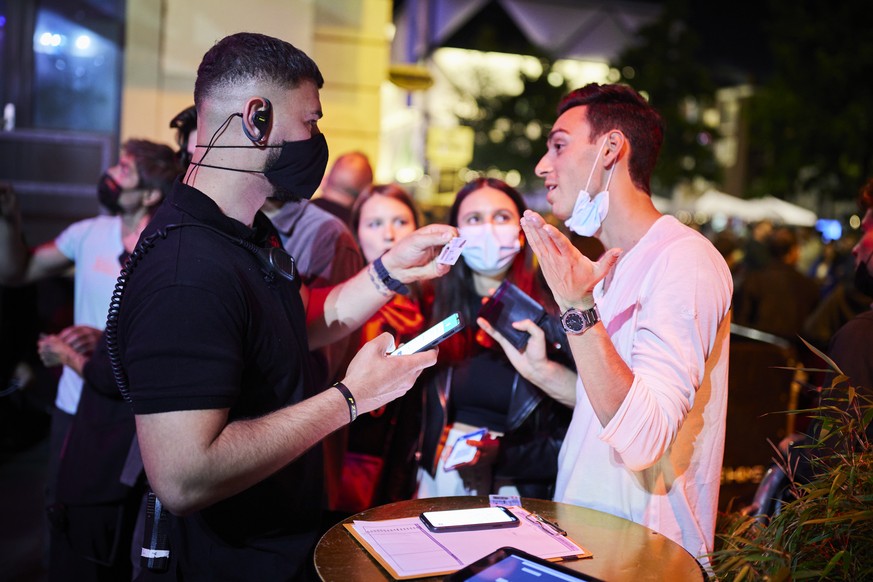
{"x":577,"y":322}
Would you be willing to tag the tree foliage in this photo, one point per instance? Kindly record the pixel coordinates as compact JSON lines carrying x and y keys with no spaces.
{"x":811,"y":120}
{"x":511,"y":130}
{"x":665,"y":65}
{"x":810,"y":117}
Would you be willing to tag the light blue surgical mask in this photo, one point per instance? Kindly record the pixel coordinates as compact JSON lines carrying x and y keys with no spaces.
{"x":589,"y":211}
{"x":490,"y":248}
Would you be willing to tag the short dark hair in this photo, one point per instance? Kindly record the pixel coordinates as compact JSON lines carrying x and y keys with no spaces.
{"x":251,"y":56}
{"x":620,"y":107}
{"x":156,"y":164}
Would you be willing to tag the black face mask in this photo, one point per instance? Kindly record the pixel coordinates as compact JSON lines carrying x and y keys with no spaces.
{"x":297,"y":170}
{"x":863,"y":279}
{"x":108,"y":193}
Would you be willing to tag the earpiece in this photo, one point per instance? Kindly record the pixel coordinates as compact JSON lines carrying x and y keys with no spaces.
{"x":260,"y":119}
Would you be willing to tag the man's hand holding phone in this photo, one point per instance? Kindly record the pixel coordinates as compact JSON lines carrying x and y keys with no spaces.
{"x":375,"y":379}
{"x":433,"y":336}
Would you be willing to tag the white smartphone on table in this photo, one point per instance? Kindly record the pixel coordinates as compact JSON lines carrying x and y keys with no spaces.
{"x":469,"y":519}
{"x":428,"y":339}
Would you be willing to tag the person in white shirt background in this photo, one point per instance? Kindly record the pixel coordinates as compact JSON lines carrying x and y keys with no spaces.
{"x":130,"y":191}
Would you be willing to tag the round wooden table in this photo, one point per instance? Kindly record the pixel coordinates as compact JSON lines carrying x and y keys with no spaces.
{"x":623,"y":550}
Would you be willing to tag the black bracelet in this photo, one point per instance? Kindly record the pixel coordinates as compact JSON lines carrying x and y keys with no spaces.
{"x":350,"y":400}
{"x":389,"y":281}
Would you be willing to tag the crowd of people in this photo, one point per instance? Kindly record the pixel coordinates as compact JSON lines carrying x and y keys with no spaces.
{"x":237,"y":373}
{"x":791,"y":283}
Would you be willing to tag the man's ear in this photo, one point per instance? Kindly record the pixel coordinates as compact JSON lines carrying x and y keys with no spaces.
{"x":616,"y":146}
{"x":257,"y":119}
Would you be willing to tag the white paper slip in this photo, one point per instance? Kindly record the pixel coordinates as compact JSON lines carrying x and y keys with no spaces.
{"x":452,"y":251}
{"x":504,"y":500}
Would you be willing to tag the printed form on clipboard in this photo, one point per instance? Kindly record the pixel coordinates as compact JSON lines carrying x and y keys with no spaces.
{"x":407,"y":549}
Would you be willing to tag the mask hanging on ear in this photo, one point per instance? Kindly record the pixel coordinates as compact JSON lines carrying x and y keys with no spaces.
{"x":589,"y":211}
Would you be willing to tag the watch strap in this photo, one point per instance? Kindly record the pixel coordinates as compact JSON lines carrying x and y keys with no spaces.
{"x":389,"y":281}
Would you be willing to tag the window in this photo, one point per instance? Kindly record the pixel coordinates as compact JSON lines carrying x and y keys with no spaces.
{"x":61,"y":68}
{"x":63,"y":63}
{"x":77,"y":66}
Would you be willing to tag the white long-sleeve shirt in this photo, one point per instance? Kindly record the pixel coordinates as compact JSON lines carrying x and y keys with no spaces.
{"x":658,"y":461}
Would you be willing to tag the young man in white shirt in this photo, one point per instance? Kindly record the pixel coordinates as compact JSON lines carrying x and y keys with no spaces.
{"x":648,"y":325}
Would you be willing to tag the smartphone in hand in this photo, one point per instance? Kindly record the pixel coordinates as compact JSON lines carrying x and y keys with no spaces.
{"x":428,"y":339}
{"x":469,"y":519}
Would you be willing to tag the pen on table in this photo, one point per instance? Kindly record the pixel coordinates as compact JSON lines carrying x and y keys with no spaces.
{"x":550,"y":526}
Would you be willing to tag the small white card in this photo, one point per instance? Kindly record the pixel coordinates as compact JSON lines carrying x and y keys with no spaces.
{"x":504,"y":501}
{"x":452,"y":251}
{"x":462,"y":452}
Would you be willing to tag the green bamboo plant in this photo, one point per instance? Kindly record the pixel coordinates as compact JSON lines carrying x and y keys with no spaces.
{"x":824,"y":530}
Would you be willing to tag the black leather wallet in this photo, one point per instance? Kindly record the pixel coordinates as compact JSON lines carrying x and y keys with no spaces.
{"x":509,"y":304}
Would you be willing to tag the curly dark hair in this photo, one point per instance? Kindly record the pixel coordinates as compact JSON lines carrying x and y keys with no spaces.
{"x":156,"y":164}
{"x":620,"y":107}
{"x":249,"y":56}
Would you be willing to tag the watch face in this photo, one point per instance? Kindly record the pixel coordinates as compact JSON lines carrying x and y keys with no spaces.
{"x":573,"y":321}
{"x":577,"y":322}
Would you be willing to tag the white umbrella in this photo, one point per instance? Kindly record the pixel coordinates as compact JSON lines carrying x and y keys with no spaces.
{"x":785,"y":212}
{"x":713,"y":202}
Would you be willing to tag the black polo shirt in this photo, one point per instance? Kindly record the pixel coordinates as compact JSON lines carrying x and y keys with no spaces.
{"x":203,"y":326}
